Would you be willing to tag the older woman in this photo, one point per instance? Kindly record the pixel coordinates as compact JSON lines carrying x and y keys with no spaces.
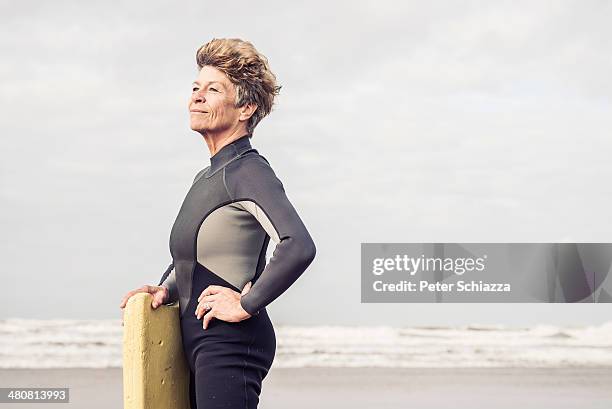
{"x":219,"y":274}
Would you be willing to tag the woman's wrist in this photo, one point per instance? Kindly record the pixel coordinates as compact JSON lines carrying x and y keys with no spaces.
{"x":245,"y":310}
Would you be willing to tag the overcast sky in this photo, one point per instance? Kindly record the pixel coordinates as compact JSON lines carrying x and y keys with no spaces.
{"x":398,"y":121}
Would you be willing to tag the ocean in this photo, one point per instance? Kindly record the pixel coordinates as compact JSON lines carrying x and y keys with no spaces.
{"x":26,"y":343}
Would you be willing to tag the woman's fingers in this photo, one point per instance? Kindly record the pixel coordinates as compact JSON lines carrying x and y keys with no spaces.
{"x":204,"y":299}
{"x":214,"y":294}
{"x":127,"y":297}
{"x":159,"y":297}
{"x":211,"y":297}
{"x":207,"y":317}
{"x":144,"y":289}
{"x":217,"y":301}
{"x":213,"y":289}
{"x":156,"y":300}
{"x":202,"y":307}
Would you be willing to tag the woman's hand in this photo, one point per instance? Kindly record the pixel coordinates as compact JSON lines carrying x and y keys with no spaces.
{"x":160,"y":295}
{"x":222,"y":303}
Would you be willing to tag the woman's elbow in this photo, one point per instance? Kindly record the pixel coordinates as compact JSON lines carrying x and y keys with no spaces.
{"x":301,"y":250}
{"x":309,"y":251}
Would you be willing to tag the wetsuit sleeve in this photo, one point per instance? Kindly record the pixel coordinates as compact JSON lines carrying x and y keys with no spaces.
{"x":168,"y":280}
{"x":255,"y":184}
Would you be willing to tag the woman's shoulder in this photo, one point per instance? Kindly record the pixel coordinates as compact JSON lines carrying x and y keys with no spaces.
{"x":199,"y":174}
{"x":251,"y":171}
{"x":251,"y":162}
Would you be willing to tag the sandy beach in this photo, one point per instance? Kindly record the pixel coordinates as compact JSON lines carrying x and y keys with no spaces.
{"x":584,"y":388}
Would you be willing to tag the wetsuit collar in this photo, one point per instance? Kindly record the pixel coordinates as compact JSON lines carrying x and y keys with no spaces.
{"x":228,"y":153}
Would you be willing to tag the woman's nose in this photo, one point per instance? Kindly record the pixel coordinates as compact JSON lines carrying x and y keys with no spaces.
{"x":198,"y":96}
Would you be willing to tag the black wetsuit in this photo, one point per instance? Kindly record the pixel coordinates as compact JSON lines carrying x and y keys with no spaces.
{"x":234,"y":207}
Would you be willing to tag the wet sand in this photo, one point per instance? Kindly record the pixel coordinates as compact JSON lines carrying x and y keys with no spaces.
{"x":356,"y":388}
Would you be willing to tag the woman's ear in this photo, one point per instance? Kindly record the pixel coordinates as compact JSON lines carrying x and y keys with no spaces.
{"x":247,"y":110}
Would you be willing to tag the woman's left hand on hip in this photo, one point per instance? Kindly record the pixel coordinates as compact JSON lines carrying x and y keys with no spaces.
{"x":222,"y":303}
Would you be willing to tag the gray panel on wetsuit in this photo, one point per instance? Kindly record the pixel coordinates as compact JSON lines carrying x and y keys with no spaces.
{"x":230,"y":243}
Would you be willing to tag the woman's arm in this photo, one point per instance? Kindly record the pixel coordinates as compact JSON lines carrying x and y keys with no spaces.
{"x":168,"y":280}
{"x":253,"y":183}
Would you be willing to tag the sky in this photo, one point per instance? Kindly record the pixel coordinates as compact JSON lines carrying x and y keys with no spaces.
{"x":441,"y":121}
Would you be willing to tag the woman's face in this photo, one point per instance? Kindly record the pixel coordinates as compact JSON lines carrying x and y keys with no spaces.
{"x":211,"y":106}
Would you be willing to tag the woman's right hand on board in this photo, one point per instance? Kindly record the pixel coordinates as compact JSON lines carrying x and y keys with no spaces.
{"x":160,"y":295}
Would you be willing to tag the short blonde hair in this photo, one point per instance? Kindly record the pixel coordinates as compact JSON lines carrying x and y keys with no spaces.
{"x":247,"y":69}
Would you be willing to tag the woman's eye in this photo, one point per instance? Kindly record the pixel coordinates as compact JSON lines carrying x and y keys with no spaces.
{"x":194,"y":89}
{"x":213,"y":89}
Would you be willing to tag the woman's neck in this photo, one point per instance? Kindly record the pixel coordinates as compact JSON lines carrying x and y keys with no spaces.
{"x":216,"y":141}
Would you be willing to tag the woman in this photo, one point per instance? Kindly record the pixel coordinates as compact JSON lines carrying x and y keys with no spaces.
{"x":218,"y":242}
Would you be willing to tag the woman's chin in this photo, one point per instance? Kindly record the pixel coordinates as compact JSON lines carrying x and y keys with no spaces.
{"x":196,"y":126}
